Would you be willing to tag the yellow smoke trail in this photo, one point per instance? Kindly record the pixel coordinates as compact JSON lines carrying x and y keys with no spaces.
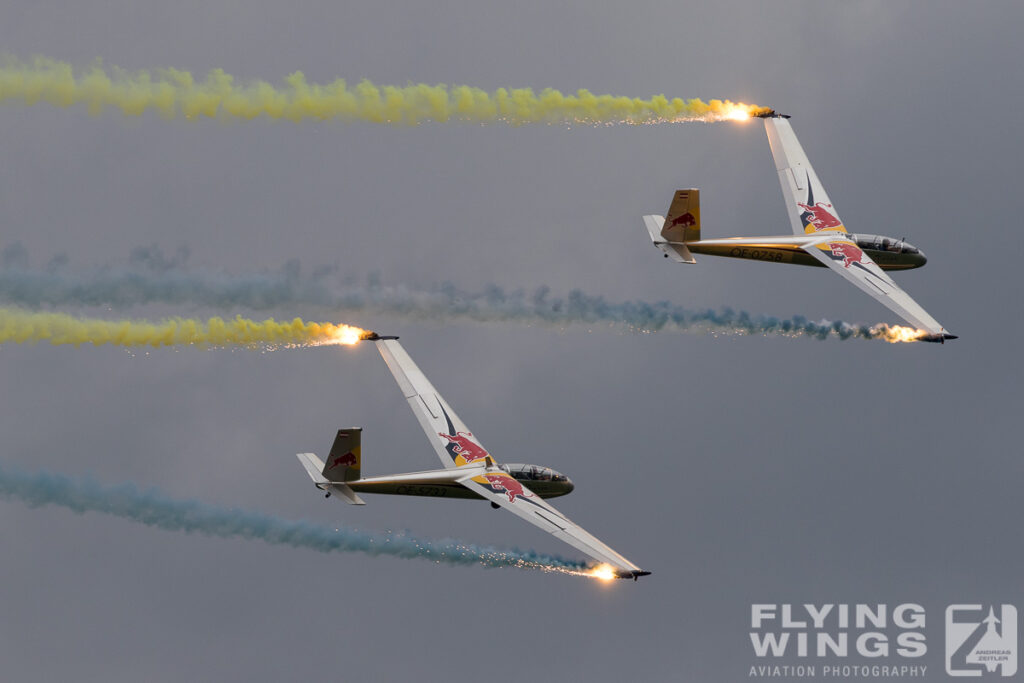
{"x":172,"y":93}
{"x":58,"y":328}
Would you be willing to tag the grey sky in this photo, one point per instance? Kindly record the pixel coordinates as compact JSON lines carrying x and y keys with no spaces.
{"x":738,"y":469}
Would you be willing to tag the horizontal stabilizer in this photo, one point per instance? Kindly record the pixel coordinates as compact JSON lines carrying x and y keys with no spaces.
{"x":676,"y":251}
{"x":314,"y":466}
{"x":344,"y":491}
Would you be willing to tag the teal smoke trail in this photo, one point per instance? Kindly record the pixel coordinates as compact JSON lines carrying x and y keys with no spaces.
{"x":150,"y":277}
{"x":155,"y":509}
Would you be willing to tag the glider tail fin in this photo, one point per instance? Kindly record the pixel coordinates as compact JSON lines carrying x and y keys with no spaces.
{"x":345,"y":459}
{"x":682,"y":224}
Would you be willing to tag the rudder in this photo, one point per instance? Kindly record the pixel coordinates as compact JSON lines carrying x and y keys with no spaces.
{"x":682,"y":224}
{"x":345,"y":459}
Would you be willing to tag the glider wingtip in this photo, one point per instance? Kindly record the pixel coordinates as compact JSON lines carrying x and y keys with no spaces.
{"x":373,"y":336}
{"x":771,"y":114}
{"x":632,"y":574}
{"x":939,"y":337}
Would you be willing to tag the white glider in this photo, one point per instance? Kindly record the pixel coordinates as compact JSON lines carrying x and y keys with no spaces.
{"x":820,"y":238}
{"x":470,"y":471}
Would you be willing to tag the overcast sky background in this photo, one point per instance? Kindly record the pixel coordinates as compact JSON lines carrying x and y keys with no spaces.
{"x":737,"y":469}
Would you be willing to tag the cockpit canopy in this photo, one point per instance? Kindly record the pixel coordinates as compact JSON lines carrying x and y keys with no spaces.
{"x":882,"y":243}
{"x":533,"y":473}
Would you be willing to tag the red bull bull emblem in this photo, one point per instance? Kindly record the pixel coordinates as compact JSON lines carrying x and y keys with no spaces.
{"x":819,"y":216}
{"x":848,"y":252}
{"x":347,"y":459}
{"x":511,"y":487}
{"x":686,"y":220}
{"x":462,"y":444}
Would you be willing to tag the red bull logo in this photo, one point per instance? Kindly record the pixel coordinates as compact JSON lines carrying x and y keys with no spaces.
{"x":348,"y":459}
{"x":511,"y":487}
{"x":848,"y":252}
{"x":819,"y":216}
{"x":462,"y":444}
{"x":686,"y":220}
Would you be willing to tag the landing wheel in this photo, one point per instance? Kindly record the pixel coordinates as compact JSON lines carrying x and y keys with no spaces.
{"x":327,"y":495}
{"x":495,"y":505}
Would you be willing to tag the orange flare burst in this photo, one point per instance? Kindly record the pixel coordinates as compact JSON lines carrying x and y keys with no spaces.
{"x":738,"y":113}
{"x":896,"y":334}
{"x":604,"y":572}
{"x":328,"y":334}
{"x":347,"y":334}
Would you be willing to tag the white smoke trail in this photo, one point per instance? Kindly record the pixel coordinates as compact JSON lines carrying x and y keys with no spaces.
{"x":151,"y":277}
{"x":155,"y":509}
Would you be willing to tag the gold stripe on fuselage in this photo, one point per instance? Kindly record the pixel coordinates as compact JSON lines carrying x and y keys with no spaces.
{"x":789,"y":253}
{"x":773,"y":253}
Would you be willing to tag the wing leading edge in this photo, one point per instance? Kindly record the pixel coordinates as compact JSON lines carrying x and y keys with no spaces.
{"x":502,"y":489}
{"x":807,"y":203}
{"x":454,"y":444}
{"x":844,"y":257}
{"x":457,"y":447}
{"x":811,"y":213}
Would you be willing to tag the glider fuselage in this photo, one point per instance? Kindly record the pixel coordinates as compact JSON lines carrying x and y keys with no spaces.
{"x":889,"y":253}
{"x":543,"y":481}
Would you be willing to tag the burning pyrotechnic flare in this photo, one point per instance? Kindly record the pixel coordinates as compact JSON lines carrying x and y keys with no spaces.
{"x":23,"y":327}
{"x":741,"y":112}
{"x":896,"y":334}
{"x":604,"y":572}
{"x":173,"y":93}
